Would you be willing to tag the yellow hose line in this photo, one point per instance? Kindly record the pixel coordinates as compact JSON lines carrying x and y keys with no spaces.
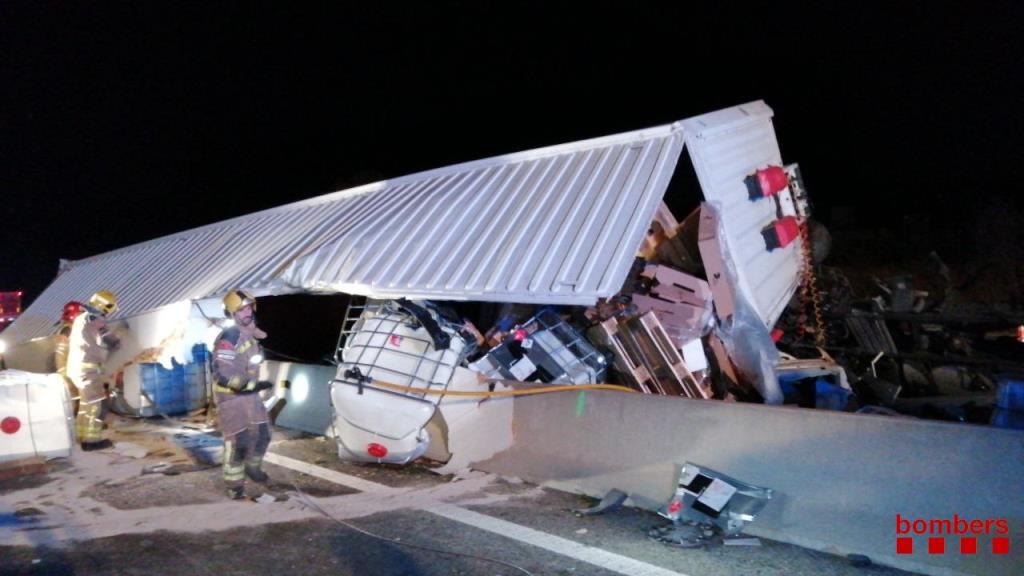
{"x":525,"y":392}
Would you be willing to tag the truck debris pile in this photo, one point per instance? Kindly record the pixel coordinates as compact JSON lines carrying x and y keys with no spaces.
{"x":913,"y":352}
{"x":556,"y":267}
{"x":680,"y":326}
{"x":403,"y":365}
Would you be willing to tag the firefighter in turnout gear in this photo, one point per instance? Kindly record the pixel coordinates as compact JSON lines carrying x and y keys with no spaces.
{"x":89,"y":344}
{"x":60,"y":353}
{"x":243,"y":419}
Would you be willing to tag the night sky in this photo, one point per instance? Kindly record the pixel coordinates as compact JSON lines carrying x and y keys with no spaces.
{"x":123,"y":122}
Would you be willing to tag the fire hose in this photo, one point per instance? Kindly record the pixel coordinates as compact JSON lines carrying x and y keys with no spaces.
{"x":363,"y":380}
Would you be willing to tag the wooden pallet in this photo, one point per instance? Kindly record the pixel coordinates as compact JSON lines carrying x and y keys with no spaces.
{"x":646,"y":356}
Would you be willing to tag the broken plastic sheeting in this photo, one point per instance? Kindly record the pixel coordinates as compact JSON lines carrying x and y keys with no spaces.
{"x":747,"y":341}
{"x":705,"y":496}
{"x":752,"y":351}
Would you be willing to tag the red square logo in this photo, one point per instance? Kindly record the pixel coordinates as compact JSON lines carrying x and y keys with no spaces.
{"x":936,"y":545}
{"x":1000,"y":545}
{"x":968,"y":545}
{"x":904,"y":545}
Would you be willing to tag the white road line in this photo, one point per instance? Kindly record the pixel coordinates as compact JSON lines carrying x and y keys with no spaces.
{"x":596,"y":556}
{"x":326,"y":473}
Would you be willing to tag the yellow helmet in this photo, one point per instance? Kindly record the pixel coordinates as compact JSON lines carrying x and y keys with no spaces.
{"x":235,"y":300}
{"x":104,"y":301}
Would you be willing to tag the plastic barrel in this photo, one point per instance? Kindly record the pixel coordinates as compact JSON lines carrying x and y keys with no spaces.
{"x":1009,"y":411}
{"x":150,"y":383}
{"x":200,"y":355}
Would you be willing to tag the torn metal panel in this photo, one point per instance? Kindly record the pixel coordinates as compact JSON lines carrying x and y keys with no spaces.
{"x":554,"y":225}
{"x":727,"y":147}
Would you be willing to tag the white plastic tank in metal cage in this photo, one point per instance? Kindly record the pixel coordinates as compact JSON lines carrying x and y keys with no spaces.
{"x":545,"y":348}
{"x":399,"y":343}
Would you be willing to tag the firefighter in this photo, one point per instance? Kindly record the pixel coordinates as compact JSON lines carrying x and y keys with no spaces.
{"x":89,"y":344}
{"x":60,"y":354}
{"x":243,"y":419}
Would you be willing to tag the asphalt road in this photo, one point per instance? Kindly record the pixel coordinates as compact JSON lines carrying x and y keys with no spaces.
{"x":100,"y":514}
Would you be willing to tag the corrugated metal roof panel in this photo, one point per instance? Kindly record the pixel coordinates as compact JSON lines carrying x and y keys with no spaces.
{"x":553,"y":229}
{"x":553,"y":225}
{"x":726,"y":146}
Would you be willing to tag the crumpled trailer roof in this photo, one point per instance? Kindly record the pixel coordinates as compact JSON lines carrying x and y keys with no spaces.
{"x":555,"y":225}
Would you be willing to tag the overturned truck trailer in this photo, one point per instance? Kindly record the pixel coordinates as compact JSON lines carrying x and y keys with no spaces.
{"x":560,"y":225}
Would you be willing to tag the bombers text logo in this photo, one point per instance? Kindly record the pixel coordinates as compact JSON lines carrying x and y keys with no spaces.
{"x":963,"y":534}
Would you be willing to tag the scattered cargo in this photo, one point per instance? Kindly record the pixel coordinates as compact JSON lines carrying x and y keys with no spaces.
{"x":544,"y":348}
{"x":713,"y":503}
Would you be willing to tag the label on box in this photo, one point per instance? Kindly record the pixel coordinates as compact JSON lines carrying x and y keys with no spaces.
{"x":693,"y":355}
{"x":717,"y":495}
{"x":520,"y":370}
